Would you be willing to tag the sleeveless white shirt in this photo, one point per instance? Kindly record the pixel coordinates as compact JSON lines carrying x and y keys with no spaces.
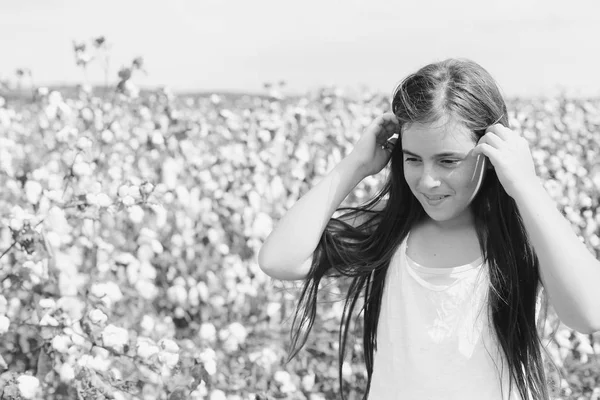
{"x":434,"y":340}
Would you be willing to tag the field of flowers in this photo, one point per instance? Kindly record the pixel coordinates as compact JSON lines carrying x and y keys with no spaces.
{"x":130,"y":227}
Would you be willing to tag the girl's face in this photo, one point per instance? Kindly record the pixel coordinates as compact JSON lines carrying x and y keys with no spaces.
{"x":438,"y":162}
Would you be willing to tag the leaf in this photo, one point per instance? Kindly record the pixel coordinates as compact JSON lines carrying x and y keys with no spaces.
{"x":44,"y":365}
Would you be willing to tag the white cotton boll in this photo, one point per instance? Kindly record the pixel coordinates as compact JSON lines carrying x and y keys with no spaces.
{"x":157,"y":138}
{"x":288,"y":388}
{"x":57,"y":221}
{"x":210,"y":366}
{"x":108,"y":292}
{"x":177,"y":294}
{"x":66,"y":373}
{"x":84,"y":143}
{"x":262,"y":226}
{"x":136,"y":214}
{"x":273,"y":309}
{"x":81,"y":168}
{"x":346,"y":370}
{"x":61,"y":343}
{"x":200,"y":392}
{"x":47,"y":303}
{"x":33,"y":191}
{"x":168,"y":345}
{"x":146,"y":289}
{"x":29,"y":386}
{"x":282,"y":377}
{"x":147,"y":271}
{"x":128,"y":201}
{"x":169,"y":359}
{"x":147,"y":188}
{"x":308,"y":382}
{"x":115,"y":337}
{"x":123,"y":191}
{"x":202,"y":291}
{"x":97,"y":317}
{"x":238,"y":331}
{"x":146,"y":348}
{"x":3,"y":305}
{"x":208,"y":332}
{"x":102,"y":200}
{"x":148,"y":323}
{"x":47,"y":320}
{"x":595,"y":241}
{"x":193,"y":296}
{"x":218,"y":395}
{"x":170,"y":173}
{"x":208,"y":359}
{"x":85,"y":361}
{"x":4,"y":324}
{"x":107,"y":136}
{"x":134,"y":191}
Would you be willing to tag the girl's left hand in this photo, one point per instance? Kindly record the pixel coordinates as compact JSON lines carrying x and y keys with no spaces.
{"x":510,"y":155}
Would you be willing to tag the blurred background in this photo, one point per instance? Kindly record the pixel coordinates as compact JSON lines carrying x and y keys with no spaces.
{"x":148,"y":148}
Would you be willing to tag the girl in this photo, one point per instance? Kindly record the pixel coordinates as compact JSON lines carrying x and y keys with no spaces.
{"x":452,"y":264}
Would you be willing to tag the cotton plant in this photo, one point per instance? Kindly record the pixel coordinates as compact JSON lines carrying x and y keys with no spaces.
{"x":125,"y":251}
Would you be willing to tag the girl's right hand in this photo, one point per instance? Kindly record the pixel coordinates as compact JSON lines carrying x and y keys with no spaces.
{"x":368,"y":151}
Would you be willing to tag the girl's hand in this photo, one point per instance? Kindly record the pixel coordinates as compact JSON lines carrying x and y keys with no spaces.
{"x":510,"y":156}
{"x":373,"y":151}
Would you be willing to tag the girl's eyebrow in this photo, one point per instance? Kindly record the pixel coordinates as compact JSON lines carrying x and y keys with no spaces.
{"x":443,"y":154}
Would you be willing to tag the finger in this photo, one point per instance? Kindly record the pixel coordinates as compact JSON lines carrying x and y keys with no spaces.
{"x":489,"y":151}
{"x":492,"y":139}
{"x":501,"y":131}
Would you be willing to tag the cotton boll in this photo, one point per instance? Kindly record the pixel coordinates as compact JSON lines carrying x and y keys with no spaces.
{"x":217,"y":395}
{"x":61,"y":343}
{"x":66,"y":373}
{"x":29,"y":386}
{"x":238,"y":331}
{"x":148,"y":323}
{"x":115,"y":337}
{"x":146,"y":348}
{"x":33,"y":191}
{"x":47,"y":303}
{"x":136,"y":214}
{"x":208,"y":332}
{"x":4,"y":324}
{"x":308,"y":382}
{"x":48,"y":320}
{"x":3,"y":305}
{"x":97,"y":317}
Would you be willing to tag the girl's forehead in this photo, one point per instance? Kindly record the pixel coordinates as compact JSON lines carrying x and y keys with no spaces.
{"x":437,"y":135}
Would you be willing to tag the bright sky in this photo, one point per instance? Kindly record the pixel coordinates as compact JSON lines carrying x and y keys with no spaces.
{"x":531,"y":47}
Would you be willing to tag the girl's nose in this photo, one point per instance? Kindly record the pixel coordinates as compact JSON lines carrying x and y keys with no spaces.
{"x":429,"y":180}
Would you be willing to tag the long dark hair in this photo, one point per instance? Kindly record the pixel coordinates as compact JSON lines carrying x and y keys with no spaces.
{"x":464,"y":90}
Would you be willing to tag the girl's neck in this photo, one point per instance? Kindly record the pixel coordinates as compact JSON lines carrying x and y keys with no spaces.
{"x":454,"y":226}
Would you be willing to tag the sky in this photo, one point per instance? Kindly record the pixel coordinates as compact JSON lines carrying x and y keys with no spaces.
{"x":531,"y":47}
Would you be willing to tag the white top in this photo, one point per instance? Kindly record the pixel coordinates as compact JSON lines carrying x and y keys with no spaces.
{"x":433,"y":333}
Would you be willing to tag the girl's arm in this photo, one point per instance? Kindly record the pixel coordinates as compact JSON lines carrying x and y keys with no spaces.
{"x":569,"y":272}
{"x":287,"y":251}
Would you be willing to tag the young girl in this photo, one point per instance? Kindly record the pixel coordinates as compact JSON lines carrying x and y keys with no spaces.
{"x":451,"y":254}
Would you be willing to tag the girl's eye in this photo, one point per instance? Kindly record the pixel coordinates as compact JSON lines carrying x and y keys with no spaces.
{"x":450,"y":161}
{"x":411,"y":159}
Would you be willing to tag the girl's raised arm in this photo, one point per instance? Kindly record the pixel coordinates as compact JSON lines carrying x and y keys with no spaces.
{"x":287,"y":251}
